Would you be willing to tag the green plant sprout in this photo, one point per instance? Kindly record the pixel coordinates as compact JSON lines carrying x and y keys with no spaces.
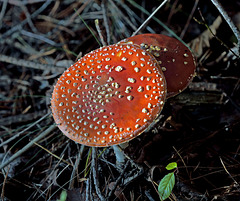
{"x":63,"y":196}
{"x":167,"y":183}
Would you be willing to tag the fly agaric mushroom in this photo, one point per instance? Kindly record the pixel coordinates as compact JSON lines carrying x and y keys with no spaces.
{"x":110,"y":96}
{"x":175,"y":59}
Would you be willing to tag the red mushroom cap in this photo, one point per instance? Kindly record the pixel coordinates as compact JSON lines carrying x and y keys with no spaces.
{"x":175,"y":59}
{"x":109,"y":96}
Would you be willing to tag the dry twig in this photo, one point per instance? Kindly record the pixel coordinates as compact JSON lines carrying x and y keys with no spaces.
{"x":95,"y":175}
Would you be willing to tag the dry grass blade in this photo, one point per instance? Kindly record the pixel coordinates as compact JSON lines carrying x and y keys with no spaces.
{"x":35,"y":14}
{"x":30,"y":64}
{"x":229,"y":21}
{"x":75,"y":169}
{"x":60,"y":159}
{"x":28,"y":146}
{"x":150,"y":17}
{"x":238,"y":186}
{"x":21,"y":132}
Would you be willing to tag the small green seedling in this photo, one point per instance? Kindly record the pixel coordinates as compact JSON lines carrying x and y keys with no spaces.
{"x":63,"y":196}
{"x":167,"y":183}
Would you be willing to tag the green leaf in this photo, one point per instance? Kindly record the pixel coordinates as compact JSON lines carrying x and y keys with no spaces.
{"x":166,"y":185}
{"x":171,"y":166}
{"x":63,"y":196}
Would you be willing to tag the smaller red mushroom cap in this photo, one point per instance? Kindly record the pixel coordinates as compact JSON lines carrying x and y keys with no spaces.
{"x":175,"y":59}
{"x":110,"y":96}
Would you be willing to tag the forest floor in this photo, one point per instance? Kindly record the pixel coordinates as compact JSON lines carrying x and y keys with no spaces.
{"x":199,"y":129}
